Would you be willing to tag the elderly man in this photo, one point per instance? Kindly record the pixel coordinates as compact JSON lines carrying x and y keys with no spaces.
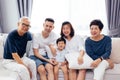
{"x":15,"y":48}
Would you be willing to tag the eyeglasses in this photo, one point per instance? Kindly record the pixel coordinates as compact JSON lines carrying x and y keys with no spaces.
{"x":25,"y":25}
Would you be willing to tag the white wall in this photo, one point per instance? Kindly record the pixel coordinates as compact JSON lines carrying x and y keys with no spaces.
{"x":79,"y":12}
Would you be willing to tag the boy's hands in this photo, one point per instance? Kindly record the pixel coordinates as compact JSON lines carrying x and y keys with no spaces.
{"x":63,"y":63}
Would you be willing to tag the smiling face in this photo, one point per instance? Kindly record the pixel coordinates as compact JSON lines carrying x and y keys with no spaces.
{"x":61,"y":45}
{"x":48,"y":26}
{"x":66,"y":30}
{"x":95,"y":31}
{"x":23,"y":26}
{"x":96,"y":27}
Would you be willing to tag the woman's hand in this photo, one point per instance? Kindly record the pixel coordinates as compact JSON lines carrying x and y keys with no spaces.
{"x":111,"y":64}
{"x":80,"y":60}
{"x":95,"y":63}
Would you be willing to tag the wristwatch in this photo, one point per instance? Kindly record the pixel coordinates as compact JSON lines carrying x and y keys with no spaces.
{"x":101,"y":58}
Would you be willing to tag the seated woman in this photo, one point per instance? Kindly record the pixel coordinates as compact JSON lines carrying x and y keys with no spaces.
{"x":98,"y":47}
{"x":74,"y":43}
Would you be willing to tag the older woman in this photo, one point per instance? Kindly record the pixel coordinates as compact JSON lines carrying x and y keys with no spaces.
{"x":98,"y":47}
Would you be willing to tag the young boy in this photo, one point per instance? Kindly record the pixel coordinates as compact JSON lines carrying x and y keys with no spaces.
{"x":60,"y":62}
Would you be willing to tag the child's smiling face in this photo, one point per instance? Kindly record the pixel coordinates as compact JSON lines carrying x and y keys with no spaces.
{"x":61,"y":45}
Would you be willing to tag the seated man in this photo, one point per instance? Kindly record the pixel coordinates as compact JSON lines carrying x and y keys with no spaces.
{"x":15,"y":48}
{"x":41,"y":40}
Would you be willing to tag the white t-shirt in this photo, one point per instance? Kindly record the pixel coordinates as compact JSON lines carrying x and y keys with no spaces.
{"x":60,"y":55}
{"x":39,"y":42}
{"x":75,"y":44}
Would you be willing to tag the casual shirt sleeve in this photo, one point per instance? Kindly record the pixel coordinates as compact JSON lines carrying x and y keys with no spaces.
{"x":107,"y":48}
{"x":35,"y":42}
{"x":89,"y":50}
{"x":11,"y":44}
{"x":53,"y":37}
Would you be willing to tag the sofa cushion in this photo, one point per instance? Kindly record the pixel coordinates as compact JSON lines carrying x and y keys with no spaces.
{"x":114,"y":71}
{"x":29,"y":48}
{"x":8,"y":75}
{"x":110,"y":74}
{"x":115,"y":54}
{"x":1,"y":47}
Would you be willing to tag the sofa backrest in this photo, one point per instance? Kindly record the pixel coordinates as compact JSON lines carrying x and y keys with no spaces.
{"x":3,"y":37}
{"x":1,"y":46}
{"x":115,"y":54}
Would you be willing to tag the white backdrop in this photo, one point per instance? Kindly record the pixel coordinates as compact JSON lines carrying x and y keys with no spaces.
{"x":79,"y":12}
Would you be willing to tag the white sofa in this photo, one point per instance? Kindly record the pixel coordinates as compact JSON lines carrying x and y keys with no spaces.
{"x":110,"y":74}
{"x":4,"y":73}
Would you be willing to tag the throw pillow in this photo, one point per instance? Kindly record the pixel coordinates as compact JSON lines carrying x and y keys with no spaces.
{"x":72,"y":59}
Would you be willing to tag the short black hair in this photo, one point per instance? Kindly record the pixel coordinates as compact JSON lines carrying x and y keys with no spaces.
{"x":49,"y":19}
{"x":60,"y":39}
{"x":71,"y":28}
{"x":98,"y":23}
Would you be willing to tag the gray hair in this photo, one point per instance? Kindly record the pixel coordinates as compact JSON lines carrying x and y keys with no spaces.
{"x":24,"y":17}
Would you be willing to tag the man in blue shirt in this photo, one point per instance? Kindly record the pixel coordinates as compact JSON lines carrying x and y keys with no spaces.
{"x":15,"y":48}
